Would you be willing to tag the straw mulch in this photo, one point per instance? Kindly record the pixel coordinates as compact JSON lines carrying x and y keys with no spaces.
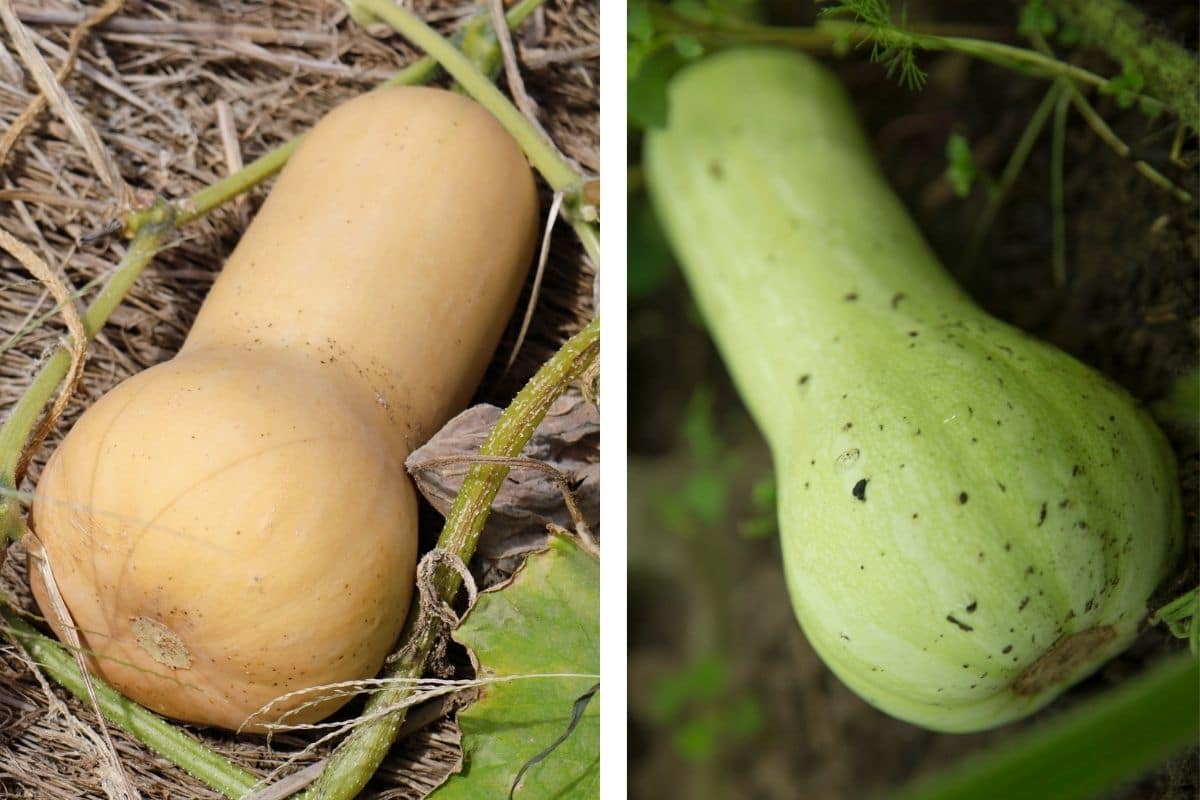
{"x":181,"y":93}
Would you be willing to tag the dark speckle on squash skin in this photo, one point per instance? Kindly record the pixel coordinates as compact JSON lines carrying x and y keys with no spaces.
{"x":860,"y":490}
{"x":959,"y":623}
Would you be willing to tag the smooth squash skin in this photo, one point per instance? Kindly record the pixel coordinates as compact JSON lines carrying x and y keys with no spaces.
{"x":971,"y":520}
{"x":236,"y":523}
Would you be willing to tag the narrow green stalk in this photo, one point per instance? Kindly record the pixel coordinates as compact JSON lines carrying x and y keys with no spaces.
{"x":1011,"y":170}
{"x":1011,"y":57}
{"x":16,"y":430}
{"x":1087,"y":751}
{"x":829,"y":35}
{"x":1169,"y":70}
{"x":589,"y":237}
{"x":541,"y":153}
{"x":1057,"y":202}
{"x":1101,"y":129}
{"x":257,"y":171}
{"x":1182,"y":618}
{"x":181,"y":748}
{"x":421,"y":71}
{"x":359,"y":755}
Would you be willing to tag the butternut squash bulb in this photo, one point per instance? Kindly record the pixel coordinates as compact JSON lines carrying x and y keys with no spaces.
{"x":971,"y":520}
{"x":236,"y":523}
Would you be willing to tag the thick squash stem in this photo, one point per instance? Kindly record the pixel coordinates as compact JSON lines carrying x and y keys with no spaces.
{"x":176,"y":745}
{"x":359,"y":755}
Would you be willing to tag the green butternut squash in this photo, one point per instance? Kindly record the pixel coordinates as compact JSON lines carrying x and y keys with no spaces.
{"x":971,"y":520}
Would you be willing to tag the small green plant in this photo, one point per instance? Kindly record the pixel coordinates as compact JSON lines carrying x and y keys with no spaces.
{"x":960,"y":167}
{"x":703,"y":710}
{"x":891,"y":44}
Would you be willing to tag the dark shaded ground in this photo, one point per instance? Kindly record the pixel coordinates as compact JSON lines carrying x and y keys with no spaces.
{"x":710,"y":620}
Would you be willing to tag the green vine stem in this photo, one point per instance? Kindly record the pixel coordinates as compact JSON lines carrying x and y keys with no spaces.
{"x":484,"y":50}
{"x":830,"y":35}
{"x":1088,"y":750}
{"x":1058,"y":149}
{"x":181,"y":748}
{"x":561,"y":176}
{"x":1182,"y":618}
{"x":359,"y":755}
{"x":1012,"y":169}
{"x":17,"y":428}
{"x":1169,"y":70}
{"x":1101,"y":129}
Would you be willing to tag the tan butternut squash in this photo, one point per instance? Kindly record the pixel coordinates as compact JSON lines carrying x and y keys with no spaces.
{"x":236,"y":523}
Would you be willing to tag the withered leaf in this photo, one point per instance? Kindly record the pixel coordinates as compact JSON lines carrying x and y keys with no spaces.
{"x":568,"y":440}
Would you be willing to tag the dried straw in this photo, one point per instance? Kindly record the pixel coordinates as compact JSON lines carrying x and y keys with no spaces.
{"x":170,"y":96}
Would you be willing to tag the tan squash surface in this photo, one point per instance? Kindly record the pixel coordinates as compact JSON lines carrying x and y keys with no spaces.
{"x":236,"y":523}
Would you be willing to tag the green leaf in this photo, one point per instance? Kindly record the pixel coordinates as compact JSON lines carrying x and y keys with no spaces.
{"x":639,"y":23}
{"x":545,"y":621}
{"x":1069,"y":35}
{"x":699,"y":427}
{"x":960,"y":168}
{"x":647,"y":93}
{"x":1181,"y":406}
{"x":688,"y":46}
{"x":706,"y":494}
{"x":649,"y":260}
{"x":694,"y":10}
{"x":1037,"y":19}
{"x":702,"y":709}
{"x":696,"y":740}
{"x":1182,"y":618}
{"x":1126,"y":86}
{"x":763,"y":498}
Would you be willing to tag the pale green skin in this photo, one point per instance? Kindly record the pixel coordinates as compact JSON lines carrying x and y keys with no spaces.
{"x":811,"y":277}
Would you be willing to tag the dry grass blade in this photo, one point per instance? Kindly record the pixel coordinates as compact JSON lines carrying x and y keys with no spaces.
{"x":511,"y":71}
{"x":119,"y":784}
{"x":61,"y":292}
{"x":195,"y":31}
{"x":53,"y":93}
{"x":161,"y":86}
{"x":543,"y":254}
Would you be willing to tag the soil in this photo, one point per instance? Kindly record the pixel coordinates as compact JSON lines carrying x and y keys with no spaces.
{"x":1129,"y":308}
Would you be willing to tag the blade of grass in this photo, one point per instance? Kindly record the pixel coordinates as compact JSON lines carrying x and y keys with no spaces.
{"x":1057,"y":157}
{"x":1088,"y":750}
